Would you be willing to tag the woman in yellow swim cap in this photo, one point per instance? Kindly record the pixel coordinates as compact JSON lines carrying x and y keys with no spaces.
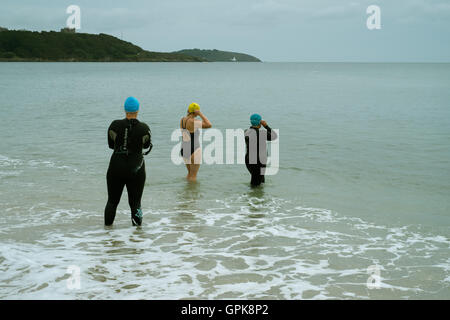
{"x":190,"y":147}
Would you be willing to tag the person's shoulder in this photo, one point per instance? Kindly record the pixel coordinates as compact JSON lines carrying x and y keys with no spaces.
{"x":115,"y":123}
{"x":144,"y":125}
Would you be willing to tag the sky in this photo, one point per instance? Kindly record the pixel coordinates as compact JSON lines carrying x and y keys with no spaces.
{"x":272,"y":30}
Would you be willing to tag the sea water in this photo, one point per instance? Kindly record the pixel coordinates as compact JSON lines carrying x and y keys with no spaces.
{"x":359,"y":208}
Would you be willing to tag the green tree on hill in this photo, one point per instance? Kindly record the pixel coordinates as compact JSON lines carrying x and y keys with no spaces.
{"x":63,"y":46}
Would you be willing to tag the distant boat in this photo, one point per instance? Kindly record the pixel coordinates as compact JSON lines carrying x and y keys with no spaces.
{"x":234,"y":59}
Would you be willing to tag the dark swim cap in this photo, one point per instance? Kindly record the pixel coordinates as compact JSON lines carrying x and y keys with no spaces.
{"x":255,"y":119}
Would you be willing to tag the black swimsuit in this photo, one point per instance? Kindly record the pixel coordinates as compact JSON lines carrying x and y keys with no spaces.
{"x":190,"y":146}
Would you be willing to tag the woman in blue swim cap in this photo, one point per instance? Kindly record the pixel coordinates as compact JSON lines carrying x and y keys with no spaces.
{"x":127,"y":137}
{"x":256,"y":148}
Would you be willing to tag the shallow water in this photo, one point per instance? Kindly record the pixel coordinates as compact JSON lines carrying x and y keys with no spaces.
{"x":363,"y":180}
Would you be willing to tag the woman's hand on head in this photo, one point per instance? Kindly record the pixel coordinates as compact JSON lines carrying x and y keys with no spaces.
{"x":197,"y":112}
{"x":263,"y":123}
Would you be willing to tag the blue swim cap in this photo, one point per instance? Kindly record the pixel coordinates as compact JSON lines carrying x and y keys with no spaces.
{"x":255,"y":119}
{"x":131,"y":104}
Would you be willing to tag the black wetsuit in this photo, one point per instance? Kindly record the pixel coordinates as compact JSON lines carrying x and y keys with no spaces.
{"x":256,"y":152}
{"x":127,"y":166}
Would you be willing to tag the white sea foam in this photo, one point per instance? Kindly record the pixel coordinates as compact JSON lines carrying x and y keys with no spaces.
{"x":12,"y":163}
{"x":8,"y":162}
{"x":226,"y":252}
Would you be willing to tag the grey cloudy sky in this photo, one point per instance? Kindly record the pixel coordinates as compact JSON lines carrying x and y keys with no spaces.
{"x":273,"y":30}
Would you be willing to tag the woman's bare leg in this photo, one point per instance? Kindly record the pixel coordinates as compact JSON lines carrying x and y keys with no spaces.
{"x":194,"y":171}
{"x":188,"y":167}
{"x":195,"y":165}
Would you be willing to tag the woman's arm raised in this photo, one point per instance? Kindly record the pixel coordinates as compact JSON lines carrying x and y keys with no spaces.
{"x":206,"y":123}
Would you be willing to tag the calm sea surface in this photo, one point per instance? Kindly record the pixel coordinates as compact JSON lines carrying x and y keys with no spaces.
{"x":364,"y":180}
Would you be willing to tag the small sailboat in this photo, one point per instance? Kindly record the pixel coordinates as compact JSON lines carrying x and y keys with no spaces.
{"x":234,"y":59}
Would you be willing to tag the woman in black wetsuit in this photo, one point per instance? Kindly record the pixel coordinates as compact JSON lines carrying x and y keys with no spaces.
{"x":256,"y":148}
{"x":127,"y":137}
{"x":190,"y":147}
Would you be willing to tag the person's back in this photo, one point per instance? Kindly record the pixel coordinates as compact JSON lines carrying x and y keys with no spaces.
{"x":127,"y":137}
{"x":190,"y":147}
{"x":256,"y":148}
{"x":191,"y":139}
{"x":256,"y":144}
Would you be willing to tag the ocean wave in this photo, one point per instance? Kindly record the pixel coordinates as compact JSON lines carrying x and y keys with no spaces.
{"x":11,"y":163}
{"x":244,"y":247}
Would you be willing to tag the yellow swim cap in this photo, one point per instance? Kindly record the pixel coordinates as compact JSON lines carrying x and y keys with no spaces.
{"x":193,"y":106}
